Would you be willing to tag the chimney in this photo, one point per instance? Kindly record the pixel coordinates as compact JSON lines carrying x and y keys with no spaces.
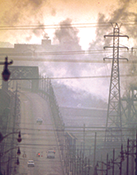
{"x":46,"y":42}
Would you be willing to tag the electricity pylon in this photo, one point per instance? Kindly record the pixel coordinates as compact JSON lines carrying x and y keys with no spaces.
{"x":114,"y":120}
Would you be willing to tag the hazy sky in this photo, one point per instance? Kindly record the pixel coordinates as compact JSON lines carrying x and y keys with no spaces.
{"x":52,"y":12}
{"x":97,"y":14}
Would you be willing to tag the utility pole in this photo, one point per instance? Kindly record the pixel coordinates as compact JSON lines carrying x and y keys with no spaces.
{"x":84,"y":139}
{"x":136,"y":157}
{"x":127,"y":157}
{"x":113,"y":167}
{"x":114,"y":121}
{"x":95,"y":151}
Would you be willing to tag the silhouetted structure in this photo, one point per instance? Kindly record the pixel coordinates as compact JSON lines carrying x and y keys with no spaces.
{"x":114,"y":120}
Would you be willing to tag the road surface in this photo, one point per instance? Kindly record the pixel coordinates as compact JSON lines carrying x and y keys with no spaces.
{"x":37,"y":138}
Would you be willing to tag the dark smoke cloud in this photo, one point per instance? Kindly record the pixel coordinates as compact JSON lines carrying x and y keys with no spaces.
{"x":100,"y":32}
{"x":67,"y":35}
{"x":68,"y":39}
{"x":126,"y":2}
{"x":11,"y":18}
{"x":36,"y":2}
{"x":26,"y":12}
{"x":39,"y":30}
{"x":27,"y":3}
{"x":18,"y":11}
{"x":121,"y":15}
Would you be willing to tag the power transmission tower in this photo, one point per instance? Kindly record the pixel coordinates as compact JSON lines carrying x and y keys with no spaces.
{"x":114,"y":121}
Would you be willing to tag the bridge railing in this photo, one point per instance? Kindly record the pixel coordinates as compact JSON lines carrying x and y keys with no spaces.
{"x":46,"y":91}
{"x":73,"y":160}
{"x":10,"y":122}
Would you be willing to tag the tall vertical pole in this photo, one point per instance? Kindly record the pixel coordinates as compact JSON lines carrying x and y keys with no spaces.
{"x":107,"y":166}
{"x":132,"y":159}
{"x":84,"y":139}
{"x":101,"y":166}
{"x":127,"y":155}
{"x":114,"y":121}
{"x":113,"y":162}
{"x":122,"y":158}
{"x":136,"y":155}
{"x":95,"y":150}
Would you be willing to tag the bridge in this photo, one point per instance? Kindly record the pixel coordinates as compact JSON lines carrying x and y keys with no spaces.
{"x":27,"y":99}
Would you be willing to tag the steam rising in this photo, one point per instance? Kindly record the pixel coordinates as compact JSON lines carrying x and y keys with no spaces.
{"x":67,"y":34}
{"x":28,"y":12}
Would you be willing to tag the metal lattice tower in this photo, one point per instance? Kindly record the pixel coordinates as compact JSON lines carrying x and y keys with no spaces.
{"x":114,"y":121}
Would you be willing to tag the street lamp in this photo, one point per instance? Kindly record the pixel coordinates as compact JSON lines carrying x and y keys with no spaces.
{"x":18,"y":152}
{"x":17,"y":161}
{"x":19,"y":139}
{"x":6,"y":72}
{"x":9,"y":159}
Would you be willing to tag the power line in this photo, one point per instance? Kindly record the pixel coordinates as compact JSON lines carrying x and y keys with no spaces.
{"x":42,"y":55}
{"x":55,"y":26}
{"x":67,"y":52}
{"x":84,"y":77}
{"x":40,"y":59}
{"x":43,"y":59}
{"x":69,"y":128}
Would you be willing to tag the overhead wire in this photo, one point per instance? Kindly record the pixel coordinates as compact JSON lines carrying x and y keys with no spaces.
{"x":67,"y":52}
{"x":54,"y":26}
{"x":80,"y":77}
{"x":41,"y":26}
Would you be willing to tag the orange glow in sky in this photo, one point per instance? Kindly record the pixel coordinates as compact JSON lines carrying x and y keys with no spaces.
{"x":52,"y":12}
